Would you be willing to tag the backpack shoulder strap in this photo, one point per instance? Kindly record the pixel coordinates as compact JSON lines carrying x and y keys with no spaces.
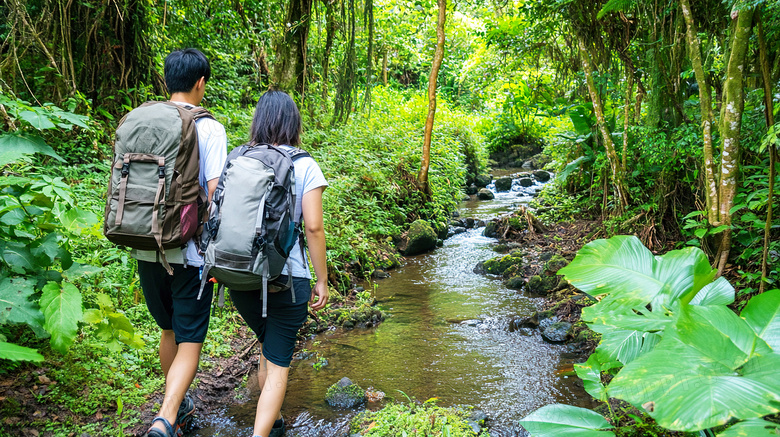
{"x":197,"y":112}
{"x":297,"y":153}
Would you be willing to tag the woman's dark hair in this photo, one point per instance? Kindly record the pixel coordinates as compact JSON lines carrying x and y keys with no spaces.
{"x":183,"y":68}
{"x":276,"y":120}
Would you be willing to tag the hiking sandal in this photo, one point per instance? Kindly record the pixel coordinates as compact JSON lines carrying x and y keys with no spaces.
{"x":154,"y":432}
{"x":185,"y":415}
{"x":278,"y":429}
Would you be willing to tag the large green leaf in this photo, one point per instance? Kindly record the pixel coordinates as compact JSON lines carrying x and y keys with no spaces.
{"x":623,"y":267}
{"x":590,"y":373}
{"x":36,"y":120}
{"x":19,"y":257}
{"x":719,"y":292}
{"x":15,"y":147}
{"x":61,"y":304}
{"x":625,"y":345}
{"x":762,"y":313}
{"x":76,"y":220}
{"x":752,"y":428}
{"x":15,"y":305}
{"x":14,"y":352}
{"x":712,"y":367}
{"x":565,"y":420}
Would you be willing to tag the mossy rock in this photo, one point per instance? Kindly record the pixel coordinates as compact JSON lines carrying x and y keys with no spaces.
{"x":485,"y":194}
{"x":503,"y":184}
{"x":515,"y":282}
{"x":542,"y":284}
{"x":420,"y":238}
{"x":441,"y":229}
{"x":542,"y":176}
{"x":472,"y":189}
{"x":525,"y":182}
{"x":500,"y":265}
{"x":555,"y":263}
{"x":345,"y":394}
{"x":483,"y":180}
{"x":491,"y":230}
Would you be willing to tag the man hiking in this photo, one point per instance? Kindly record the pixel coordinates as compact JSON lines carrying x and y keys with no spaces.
{"x":172,"y":298}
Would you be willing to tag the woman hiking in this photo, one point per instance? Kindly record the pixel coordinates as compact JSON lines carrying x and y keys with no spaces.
{"x":277,"y":122}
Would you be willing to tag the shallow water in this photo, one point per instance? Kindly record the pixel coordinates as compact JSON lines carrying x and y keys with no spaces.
{"x":446,"y":337}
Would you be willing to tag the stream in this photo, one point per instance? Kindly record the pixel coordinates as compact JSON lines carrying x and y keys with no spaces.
{"x":446,"y":336}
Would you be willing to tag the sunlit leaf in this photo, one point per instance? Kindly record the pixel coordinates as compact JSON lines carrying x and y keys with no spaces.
{"x":14,"y":352}
{"x":61,"y":304}
{"x":564,"y":420}
{"x":752,"y":428}
{"x":38,"y":121}
{"x":762,"y":313}
{"x":708,"y":370}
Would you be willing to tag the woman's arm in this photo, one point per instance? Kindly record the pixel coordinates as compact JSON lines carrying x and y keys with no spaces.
{"x":311,"y":205}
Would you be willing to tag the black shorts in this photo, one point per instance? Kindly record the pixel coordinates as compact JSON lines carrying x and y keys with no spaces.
{"x":279,"y":330}
{"x":173,"y":300}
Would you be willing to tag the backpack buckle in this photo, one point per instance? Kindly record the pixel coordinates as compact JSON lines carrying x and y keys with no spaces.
{"x":161,"y":172}
{"x":125,"y":169}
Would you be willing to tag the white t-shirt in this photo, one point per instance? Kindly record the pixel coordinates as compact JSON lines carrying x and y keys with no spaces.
{"x":212,"y":147}
{"x":308,"y":176}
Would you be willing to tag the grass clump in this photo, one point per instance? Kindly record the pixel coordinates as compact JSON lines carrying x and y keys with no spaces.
{"x":415,"y":419}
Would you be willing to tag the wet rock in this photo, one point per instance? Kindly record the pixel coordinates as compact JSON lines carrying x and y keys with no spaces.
{"x":556,"y":332}
{"x":503,"y":184}
{"x":455,"y":214}
{"x":458,"y":230}
{"x":465,"y":198}
{"x":472,"y":189}
{"x":345,"y":394}
{"x":441,"y":229}
{"x":491,"y":230}
{"x":479,"y":224}
{"x":455,"y":223}
{"x":475,"y":427}
{"x":480,"y":268}
{"x":478,"y":416}
{"x":538,"y":284}
{"x":525,"y":182}
{"x":515,"y":282}
{"x":439,"y":242}
{"x":485,"y":194}
{"x":419,"y":239}
{"x":473,"y":322}
{"x":500,"y":265}
{"x":528,"y":165}
{"x":483,"y":180}
{"x":470,"y":222}
{"x":380,"y":274}
{"x":555,"y":263}
{"x":542,"y":176}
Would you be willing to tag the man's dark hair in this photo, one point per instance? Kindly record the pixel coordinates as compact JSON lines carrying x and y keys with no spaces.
{"x":183,"y":68}
{"x":276,"y":120}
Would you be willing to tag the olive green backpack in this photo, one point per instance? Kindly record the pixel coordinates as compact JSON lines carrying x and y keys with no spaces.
{"x":154,"y":200}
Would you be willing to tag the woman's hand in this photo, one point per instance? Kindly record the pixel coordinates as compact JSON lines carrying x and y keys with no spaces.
{"x":320,"y":291}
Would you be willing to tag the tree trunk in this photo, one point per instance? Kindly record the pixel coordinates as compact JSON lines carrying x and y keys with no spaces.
{"x":770,"y":121}
{"x":369,"y":21}
{"x":707,"y":116}
{"x":290,"y":65}
{"x":330,"y":31}
{"x":438,"y":55}
{"x":730,"y":125}
{"x":342,"y":106}
{"x":614,"y":163}
{"x":384,"y":67}
{"x":627,"y":118}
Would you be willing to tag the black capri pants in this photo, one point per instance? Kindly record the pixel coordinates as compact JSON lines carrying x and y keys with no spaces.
{"x":279,"y":330}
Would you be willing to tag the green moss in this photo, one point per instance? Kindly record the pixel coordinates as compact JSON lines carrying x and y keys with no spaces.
{"x":413,"y":419}
{"x":501,"y":265}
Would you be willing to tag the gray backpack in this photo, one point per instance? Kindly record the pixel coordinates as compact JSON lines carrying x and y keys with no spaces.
{"x":251,"y":228}
{"x":154,"y":200}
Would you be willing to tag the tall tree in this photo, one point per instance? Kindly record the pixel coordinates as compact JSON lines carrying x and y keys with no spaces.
{"x":290,"y":65}
{"x":616,"y":168}
{"x":730,"y":125}
{"x":438,"y":55}
{"x":770,"y":122}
